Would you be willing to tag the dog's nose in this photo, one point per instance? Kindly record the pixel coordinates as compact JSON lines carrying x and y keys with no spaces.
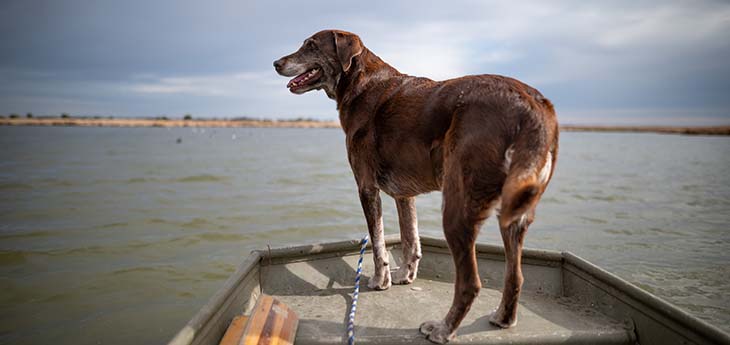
{"x":277,"y":64}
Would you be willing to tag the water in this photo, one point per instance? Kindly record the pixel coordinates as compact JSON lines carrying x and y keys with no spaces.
{"x":117,"y":236}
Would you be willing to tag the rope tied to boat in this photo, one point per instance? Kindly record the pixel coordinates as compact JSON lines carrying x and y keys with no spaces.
{"x":351,"y":322}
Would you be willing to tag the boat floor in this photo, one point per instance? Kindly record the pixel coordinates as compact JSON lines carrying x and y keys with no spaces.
{"x":320,"y":291}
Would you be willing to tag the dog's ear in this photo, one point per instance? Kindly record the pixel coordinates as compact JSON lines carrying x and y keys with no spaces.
{"x":348,"y":46}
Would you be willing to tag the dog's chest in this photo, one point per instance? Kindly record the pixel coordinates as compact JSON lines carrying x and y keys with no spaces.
{"x":403,"y":184}
{"x":399,"y":167}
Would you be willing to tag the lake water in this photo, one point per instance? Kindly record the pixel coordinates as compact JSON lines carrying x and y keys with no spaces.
{"x":118,"y":236}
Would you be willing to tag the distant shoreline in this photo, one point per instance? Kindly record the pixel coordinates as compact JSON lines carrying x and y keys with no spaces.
{"x":132,"y":122}
{"x":705,"y":130}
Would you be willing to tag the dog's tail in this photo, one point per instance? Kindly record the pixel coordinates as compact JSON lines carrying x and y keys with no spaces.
{"x":531,"y":161}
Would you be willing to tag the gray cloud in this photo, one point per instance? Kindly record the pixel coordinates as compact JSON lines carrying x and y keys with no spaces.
{"x":606,"y":62}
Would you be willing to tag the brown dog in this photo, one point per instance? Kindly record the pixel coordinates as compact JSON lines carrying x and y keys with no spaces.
{"x":488,"y":142}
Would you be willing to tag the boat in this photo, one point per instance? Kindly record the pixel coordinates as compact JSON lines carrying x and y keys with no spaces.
{"x":565,"y":300}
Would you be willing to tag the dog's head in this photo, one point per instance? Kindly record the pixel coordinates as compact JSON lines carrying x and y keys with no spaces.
{"x":320,"y":61}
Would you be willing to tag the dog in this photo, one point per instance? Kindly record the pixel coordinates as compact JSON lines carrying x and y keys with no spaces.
{"x":488,"y":142}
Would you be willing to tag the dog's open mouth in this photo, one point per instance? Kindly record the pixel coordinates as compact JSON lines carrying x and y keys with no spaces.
{"x":303,"y":80}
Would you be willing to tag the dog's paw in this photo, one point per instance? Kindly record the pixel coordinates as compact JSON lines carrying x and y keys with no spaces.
{"x":500,"y":319}
{"x":437,"y":332}
{"x":403,"y":276}
{"x":379,"y":282}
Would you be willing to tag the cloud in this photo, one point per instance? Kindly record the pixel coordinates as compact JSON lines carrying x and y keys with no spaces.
{"x":228,"y":85}
{"x":665,"y":26}
{"x":434,"y":49}
{"x":140,"y":58}
{"x":644,"y":116}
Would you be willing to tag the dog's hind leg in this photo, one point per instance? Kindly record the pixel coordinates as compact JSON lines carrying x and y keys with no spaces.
{"x":409,"y":239}
{"x":513,"y":235}
{"x":528,"y":176}
{"x":464,"y":212}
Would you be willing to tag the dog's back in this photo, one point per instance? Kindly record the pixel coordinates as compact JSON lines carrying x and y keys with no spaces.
{"x":412,"y":118}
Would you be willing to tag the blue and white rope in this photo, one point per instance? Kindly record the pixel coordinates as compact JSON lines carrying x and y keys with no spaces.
{"x":351,"y":322}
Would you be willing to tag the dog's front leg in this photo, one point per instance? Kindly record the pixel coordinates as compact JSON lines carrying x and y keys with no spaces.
{"x":409,"y":239}
{"x":371,"y":206}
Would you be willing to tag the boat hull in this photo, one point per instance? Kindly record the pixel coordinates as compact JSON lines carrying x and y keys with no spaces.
{"x":565,"y":300}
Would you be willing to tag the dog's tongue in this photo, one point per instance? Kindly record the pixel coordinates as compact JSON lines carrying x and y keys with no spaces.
{"x":299,"y":78}
{"x":303,"y":78}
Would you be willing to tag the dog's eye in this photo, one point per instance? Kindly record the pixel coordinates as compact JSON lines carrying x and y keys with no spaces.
{"x":311,"y":44}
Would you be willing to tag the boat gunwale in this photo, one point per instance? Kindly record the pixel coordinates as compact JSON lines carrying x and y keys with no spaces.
{"x":535,"y":257}
{"x":207,"y":312}
{"x":548,"y":257}
{"x":564,"y":260}
{"x":646,"y":299}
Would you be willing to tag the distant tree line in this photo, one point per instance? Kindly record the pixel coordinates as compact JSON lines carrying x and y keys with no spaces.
{"x":186,"y":117}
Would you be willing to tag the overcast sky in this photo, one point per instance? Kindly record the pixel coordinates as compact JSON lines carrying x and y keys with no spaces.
{"x":600,"y":62}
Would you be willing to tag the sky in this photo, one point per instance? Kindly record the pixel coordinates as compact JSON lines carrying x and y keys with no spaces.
{"x":600,"y":62}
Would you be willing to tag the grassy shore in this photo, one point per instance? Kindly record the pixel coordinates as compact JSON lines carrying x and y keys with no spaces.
{"x":135,"y":122}
{"x":713,"y":130}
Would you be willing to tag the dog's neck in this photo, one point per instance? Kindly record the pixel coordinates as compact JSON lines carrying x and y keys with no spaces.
{"x":366,"y":68}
